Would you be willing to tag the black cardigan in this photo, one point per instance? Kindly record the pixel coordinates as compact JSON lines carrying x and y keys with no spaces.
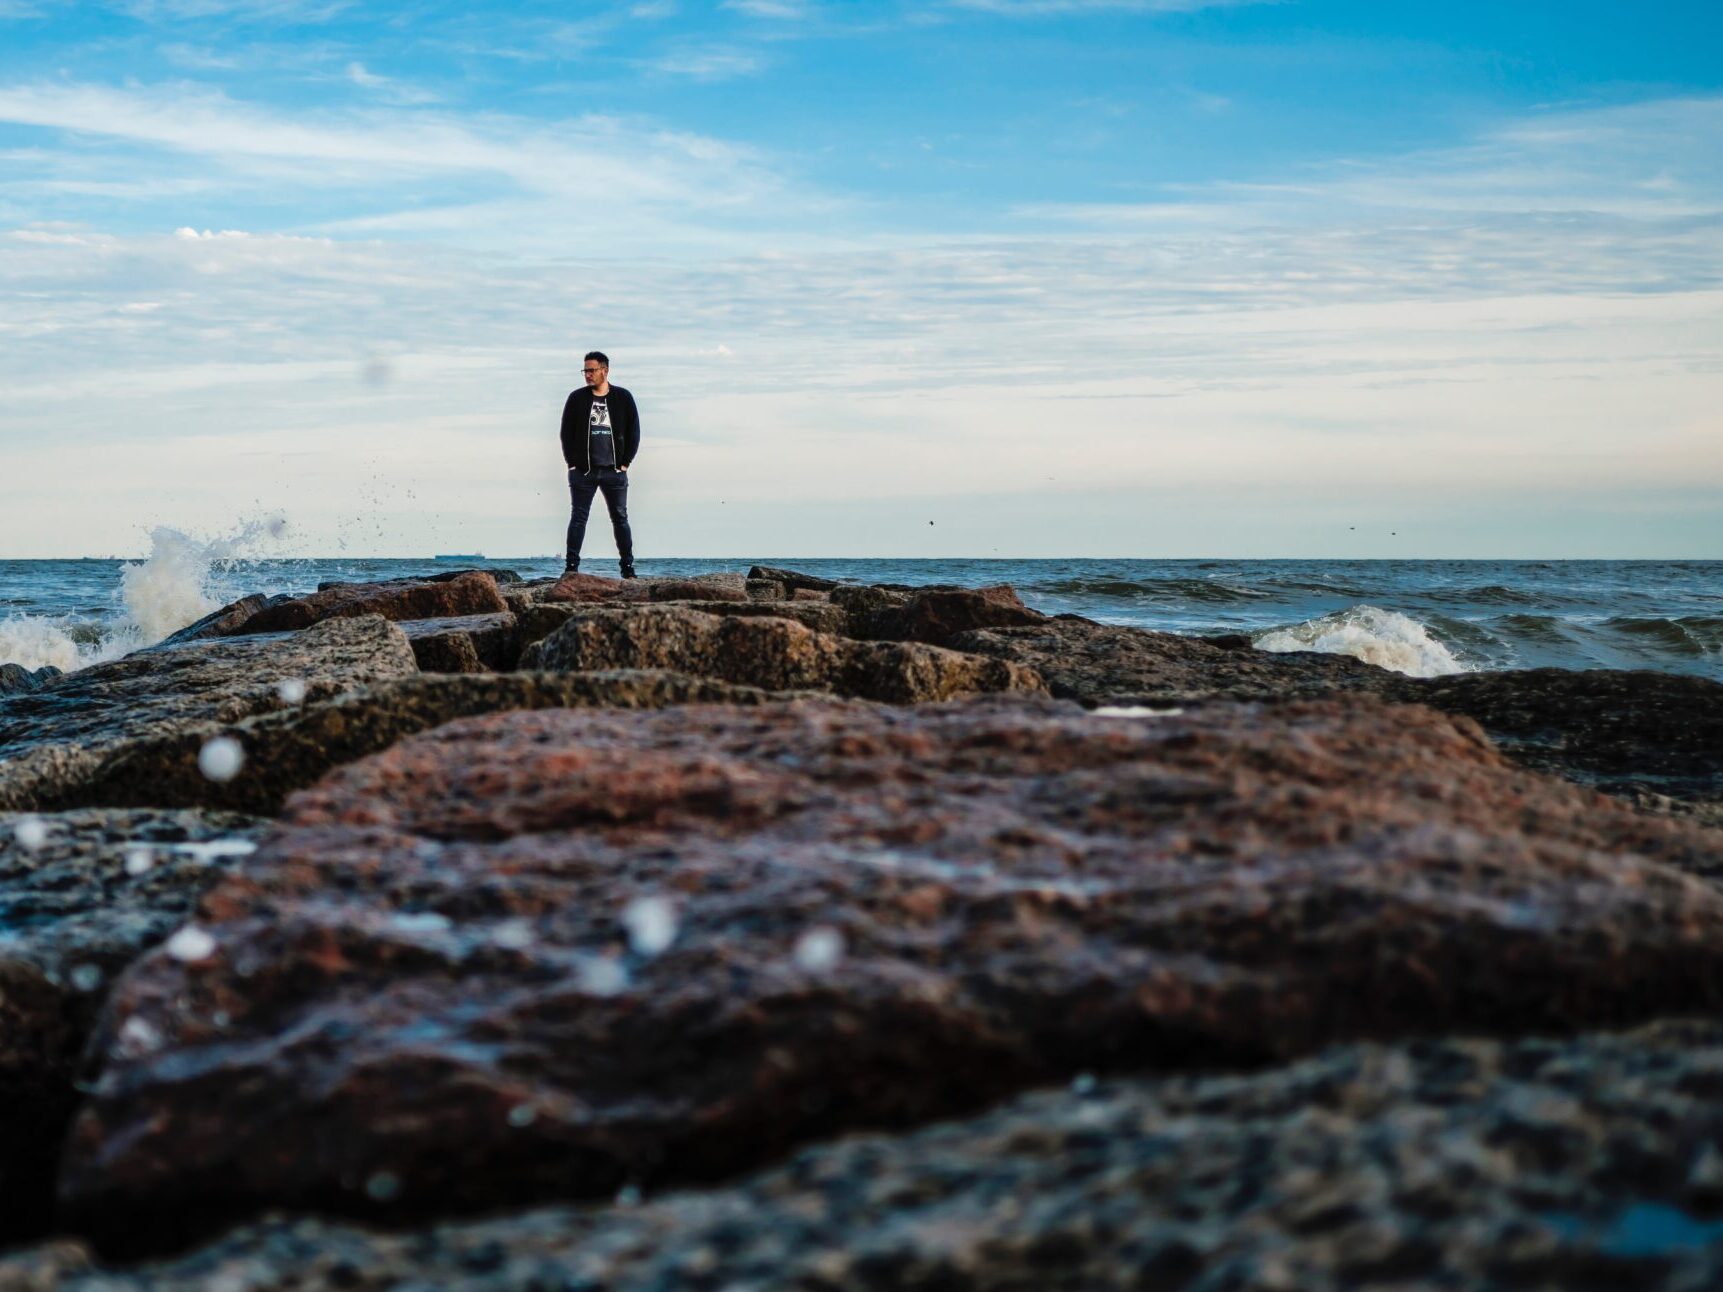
{"x":624,"y":426}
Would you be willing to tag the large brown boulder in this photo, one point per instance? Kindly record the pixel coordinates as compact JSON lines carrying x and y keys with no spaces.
{"x":551,"y":954}
{"x":1641,"y":734}
{"x":82,"y":895}
{"x":56,"y":741}
{"x":540,"y":621}
{"x":940,"y":615}
{"x":291,"y":748}
{"x":1113,"y":664}
{"x":473,"y":593}
{"x":1588,"y":1162}
{"x":469,"y":644}
{"x":776,"y":654}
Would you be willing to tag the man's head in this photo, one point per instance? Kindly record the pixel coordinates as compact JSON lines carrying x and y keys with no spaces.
{"x":595,"y":368}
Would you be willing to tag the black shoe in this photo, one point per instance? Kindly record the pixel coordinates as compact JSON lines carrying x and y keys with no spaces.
{"x":628,"y":572}
{"x":572,"y":568}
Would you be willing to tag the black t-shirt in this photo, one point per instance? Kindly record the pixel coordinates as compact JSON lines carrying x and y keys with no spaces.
{"x":599,"y":434}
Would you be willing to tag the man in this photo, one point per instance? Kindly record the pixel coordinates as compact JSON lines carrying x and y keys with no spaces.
{"x":600,"y":436}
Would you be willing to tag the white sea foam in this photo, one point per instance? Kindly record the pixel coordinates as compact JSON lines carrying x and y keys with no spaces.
{"x":1385,"y":638}
{"x":172,"y":587}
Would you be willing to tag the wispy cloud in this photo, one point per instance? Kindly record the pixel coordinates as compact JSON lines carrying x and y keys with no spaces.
{"x":713,"y":63}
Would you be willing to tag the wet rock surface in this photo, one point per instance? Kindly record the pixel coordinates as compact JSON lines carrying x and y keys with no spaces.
{"x":472,"y":593}
{"x":82,"y":895}
{"x":55,"y":741}
{"x":468,"y":644}
{"x":1590,"y":1162}
{"x":1109,"y":664}
{"x":224,"y":622}
{"x":554,"y":954}
{"x":293,"y":747}
{"x":770,"y":652}
{"x":1633,"y":733}
{"x":939,"y":617}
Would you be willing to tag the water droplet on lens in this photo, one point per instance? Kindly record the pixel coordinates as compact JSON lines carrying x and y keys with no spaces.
{"x":139,"y":861}
{"x":820,"y":949}
{"x":651,"y":925}
{"x":191,"y":944}
{"x":31,"y":833}
{"x":522,"y":1115}
{"x":86,"y":977}
{"x":384,"y":1186}
{"x":220,"y":759}
{"x":291,"y":690}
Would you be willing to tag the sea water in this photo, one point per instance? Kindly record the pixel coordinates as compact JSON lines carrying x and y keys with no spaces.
{"x":1424,"y":618}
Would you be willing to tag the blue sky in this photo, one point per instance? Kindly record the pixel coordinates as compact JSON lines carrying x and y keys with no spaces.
{"x":1070,"y":277}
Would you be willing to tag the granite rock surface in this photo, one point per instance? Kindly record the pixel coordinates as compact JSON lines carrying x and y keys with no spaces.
{"x":473,"y":593}
{"x":555,"y":954}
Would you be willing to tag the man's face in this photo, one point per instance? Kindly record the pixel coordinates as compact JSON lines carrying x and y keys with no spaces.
{"x":594,"y":372}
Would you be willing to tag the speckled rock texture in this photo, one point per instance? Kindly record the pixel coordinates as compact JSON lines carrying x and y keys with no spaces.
{"x":1111,"y":664}
{"x":1593,"y":1162}
{"x":292,"y":748}
{"x":792,"y":579}
{"x":472,"y":593}
{"x":551,"y":954}
{"x":223,"y":622}
{"x":15,"y":678}
{"x":77,"y":905}
{"x":468,"y":644}
{"x":1638,"y":734}
{"x":55,"y":742}
{"x":939,"y":616}
{"x":772,"y":652}
{"x":540,"y":621}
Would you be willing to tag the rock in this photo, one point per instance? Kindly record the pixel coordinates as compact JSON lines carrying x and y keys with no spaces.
{"x":470,"y":644}
{"x":773,"y":653}
{"x":541,"y":621}
{"x":15,"y":678}
{"x":792,"y":579}
{"x":1111,"y":664}
{"x":764,"y":590}
{"x":55,"y":740}
{"x":550,"y":954}
{"x":76,"y":909}
{"x":705,"y":587}
{"x":588,"y":589}
{"x":1639,"y":734}
{"x":224,"y":622}
{"x":469,"y":594}
{"x":499,"y":577}
{"x":1588,"y":1162}
{"x":807,"y":594}
{"x":938,"y":617}
{"x":291,"y":749}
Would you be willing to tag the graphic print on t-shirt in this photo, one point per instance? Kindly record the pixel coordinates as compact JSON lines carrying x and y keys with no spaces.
{"x":598,"y":431}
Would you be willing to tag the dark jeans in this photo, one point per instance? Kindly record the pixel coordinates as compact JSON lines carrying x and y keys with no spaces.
{"x":581,"y":486}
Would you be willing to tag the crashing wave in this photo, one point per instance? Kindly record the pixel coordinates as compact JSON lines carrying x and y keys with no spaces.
{"x":168,"y":589}
{"x":1385,"y":638}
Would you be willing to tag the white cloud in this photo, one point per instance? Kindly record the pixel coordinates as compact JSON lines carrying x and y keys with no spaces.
{"x":1471,"y":328}
{"x":715,"y":63}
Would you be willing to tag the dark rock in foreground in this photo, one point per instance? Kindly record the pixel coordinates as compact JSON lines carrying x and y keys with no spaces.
{"x":770,"y":652}
{"x":1639,"y":734}
{"x":550,"y":954}
{"x":292,"y":748}
{"x":56,"y":742}
{"x":77,"y":906}
{"x":1110,"y":664}
{"x":468,"y":594}
{"x":469,"y":644}
{"x":1590,"y":1162}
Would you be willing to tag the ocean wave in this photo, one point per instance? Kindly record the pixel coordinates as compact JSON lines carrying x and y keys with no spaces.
{"x":168,"y":589}
{"x":1385,"y":638}
{"x":1690,"y":635}
{"x":1174,"y":591}
{"x":1545,"y":630}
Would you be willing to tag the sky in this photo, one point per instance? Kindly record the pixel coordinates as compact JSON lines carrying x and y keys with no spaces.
{"x":1015,"y":278}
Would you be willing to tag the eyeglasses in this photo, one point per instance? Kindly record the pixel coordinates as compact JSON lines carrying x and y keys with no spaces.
{"x":592,"y":369}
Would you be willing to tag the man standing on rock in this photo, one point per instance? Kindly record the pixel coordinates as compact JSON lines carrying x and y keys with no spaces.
{"x":600,"y":436}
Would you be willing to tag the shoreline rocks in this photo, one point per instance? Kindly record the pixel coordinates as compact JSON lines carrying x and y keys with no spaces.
{"x":549,"y":954}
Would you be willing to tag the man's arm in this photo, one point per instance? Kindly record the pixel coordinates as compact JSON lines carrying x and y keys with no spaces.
{"x":569,"y":442}
{"x":634,"y":417}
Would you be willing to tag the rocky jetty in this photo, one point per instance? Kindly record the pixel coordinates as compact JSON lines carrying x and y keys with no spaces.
{"x":764,"y":931}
